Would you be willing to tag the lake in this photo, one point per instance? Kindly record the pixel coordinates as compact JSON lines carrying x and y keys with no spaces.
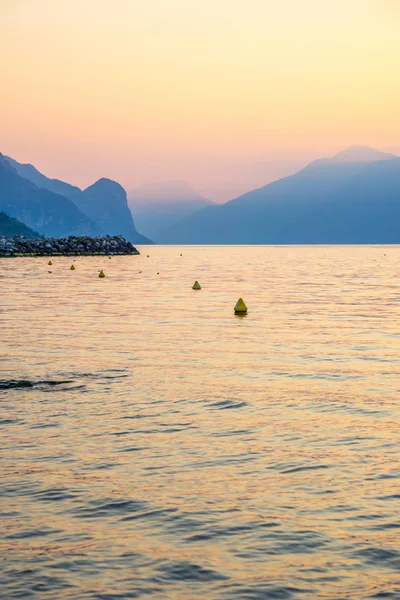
{"x":166,"y":448}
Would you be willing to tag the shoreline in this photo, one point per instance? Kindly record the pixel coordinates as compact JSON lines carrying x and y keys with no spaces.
{"x":23,"y":247}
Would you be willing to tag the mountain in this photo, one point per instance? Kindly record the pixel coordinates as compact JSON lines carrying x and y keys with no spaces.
{"x":157,"y":206}
{"x":30,"y":172}
{"x":353,"y":197}
{"x":104,"y":202}
{"x":359,"y":154}
{"x":50,"y":214}
{"x":10,"y":227}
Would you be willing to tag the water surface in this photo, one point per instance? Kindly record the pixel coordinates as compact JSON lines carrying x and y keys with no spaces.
{"x":155,"y":445}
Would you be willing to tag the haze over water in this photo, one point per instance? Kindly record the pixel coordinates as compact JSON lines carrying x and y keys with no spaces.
{"x":188,"y":453}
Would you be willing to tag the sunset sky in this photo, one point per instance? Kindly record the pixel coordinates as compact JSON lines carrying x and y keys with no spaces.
{"x":226,"y":94}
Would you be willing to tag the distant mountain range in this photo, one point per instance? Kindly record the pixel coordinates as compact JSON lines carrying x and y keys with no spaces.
{"x":10,"y":227}
{"x":351,"y":198}
{"x":161,"y":205}
{"x":57,"y":209}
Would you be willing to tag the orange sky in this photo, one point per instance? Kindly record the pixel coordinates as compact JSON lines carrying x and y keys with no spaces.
{"x":226,"y":94}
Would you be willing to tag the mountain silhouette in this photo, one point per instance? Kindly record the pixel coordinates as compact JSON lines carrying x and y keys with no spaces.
{"x":10,"y":227}
{"x":104,"y":202}
{"x":160,"y":205}
{"x":31,"y":173}
{"x":353,"y":197}
{"x":40,"y":209}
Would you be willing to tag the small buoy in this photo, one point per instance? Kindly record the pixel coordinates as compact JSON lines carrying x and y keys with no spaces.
{"x":101,"y":274}
{"x":109,"y":258}
{"x":240,"y":307}
{"x":181,"y":254}
{"x":49,"y":263}
{"x":148,"y":256}
{"x":196,"y":286}
{"x":72,"y":268}
{"x":158,"y":273}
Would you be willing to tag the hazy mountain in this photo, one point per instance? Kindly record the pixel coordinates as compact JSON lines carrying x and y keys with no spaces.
{"x":358,"y":154}
{"x":160,"y":205}
{"x":353,"y":197}
{"x":48,"y":213}
{"x":53,"y":185}
{"x":104,"y":202}
{"x":10,"y":227}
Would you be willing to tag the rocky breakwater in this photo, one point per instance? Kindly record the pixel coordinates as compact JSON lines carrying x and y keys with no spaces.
{"x":70,"y":246}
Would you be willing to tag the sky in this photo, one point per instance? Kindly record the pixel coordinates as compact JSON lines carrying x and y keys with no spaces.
{"x":225,"y":94}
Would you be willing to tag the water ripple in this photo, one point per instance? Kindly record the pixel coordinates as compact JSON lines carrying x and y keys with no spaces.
{"x":152,"y":445}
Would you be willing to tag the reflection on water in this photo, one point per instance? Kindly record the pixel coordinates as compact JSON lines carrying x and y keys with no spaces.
{"x":153,"y":444}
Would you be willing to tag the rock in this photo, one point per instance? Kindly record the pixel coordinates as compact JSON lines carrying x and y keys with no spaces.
{"x":71,"y":246}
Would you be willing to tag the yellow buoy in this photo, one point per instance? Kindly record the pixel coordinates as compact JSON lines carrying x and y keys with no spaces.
{"x":49,"y":263}
{"x":196,"y":286}
{"x":101,"y":274}
{"x":240,"y":307}
{"x":72,"y":268}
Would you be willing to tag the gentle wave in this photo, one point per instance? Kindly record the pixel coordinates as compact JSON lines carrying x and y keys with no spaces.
{"x":153,"y":445}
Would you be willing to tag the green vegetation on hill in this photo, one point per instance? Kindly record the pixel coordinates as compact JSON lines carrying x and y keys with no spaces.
{"x":10,"y":227}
